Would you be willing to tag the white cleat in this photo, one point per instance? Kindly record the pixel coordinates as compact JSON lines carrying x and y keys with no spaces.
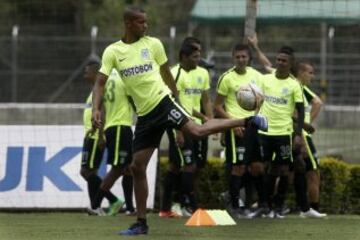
{"x":311,"y":213}
{"x":96,"y":212}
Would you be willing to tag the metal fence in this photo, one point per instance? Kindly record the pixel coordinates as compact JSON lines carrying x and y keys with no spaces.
{"x":48,"y":68}
{"x":45,"y":69}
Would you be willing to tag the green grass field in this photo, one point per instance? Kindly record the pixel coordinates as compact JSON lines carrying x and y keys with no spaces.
{"x":79,"y":226}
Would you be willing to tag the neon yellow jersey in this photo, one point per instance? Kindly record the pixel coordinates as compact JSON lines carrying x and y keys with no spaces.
{"x":308,"y":96}
{"x":87,"y":117}
{"x":191,"y":85}
{"x":228,"y":85}
{"x":118,"y":110}
{"x":138,"y":64}
{"x":279,"y":105}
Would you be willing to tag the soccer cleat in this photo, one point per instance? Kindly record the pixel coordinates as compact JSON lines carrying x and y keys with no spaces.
{"x":260,"y":122}
{"x":284,"y":210}
{"x":238,"y":213}
{"x":115,"y":207}
{"x":130,"y":212}
{"x":135,"y":229}
{"x":176,"y":208}
{"x":186,"y":212}
{"x":311,"y":213}
{"x":95,"y":212}
{"x":260,"y":212}
{"x":279,"y":215}
{"x":169,"y":214}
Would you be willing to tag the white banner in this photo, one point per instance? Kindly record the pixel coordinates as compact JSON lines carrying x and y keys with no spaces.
{"x":39,"y":168}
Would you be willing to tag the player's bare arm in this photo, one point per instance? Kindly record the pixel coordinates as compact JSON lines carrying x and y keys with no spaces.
{"x":168,"y":78}
{"x":316,"y":105}
{"x":206,"y":104}
{"x":219,"y":107}
{"x":300,"y":124}
{"x":254,"y":42}
{"x":98,"y":93}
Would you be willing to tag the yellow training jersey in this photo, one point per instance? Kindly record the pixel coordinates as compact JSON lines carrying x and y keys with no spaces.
{"x":308,"y":96}
{"x":228,"y":85}
{"x":87,"y":117}
{"x":279,"y":105}
{"x":138,"y":64}
{"x":118,"y":110}
{"x":191,"y":85}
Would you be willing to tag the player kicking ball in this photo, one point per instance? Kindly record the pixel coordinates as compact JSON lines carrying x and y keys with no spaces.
{"x":143,"y":66}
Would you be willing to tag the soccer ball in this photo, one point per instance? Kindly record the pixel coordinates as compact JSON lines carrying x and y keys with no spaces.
{"x":246,"y":98}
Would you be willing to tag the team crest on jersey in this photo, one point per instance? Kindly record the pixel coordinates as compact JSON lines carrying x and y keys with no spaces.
{"x":199,"y":80}
{"x":145,"y":54}
{"x":285,"y":91}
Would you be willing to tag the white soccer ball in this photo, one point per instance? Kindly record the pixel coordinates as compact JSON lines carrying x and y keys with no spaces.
{"x":246,"y":98}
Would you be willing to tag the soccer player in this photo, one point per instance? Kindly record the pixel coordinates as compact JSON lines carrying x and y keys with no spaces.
{"x":184,"y":152}
{"x":118,"y":122}
{"x":283,"y":95}
{"x":241,"y":145}
{"x":143,"y":67}
{"x":93,"y":147}
{"x":305,"y":156}
{"x":305,"y":74}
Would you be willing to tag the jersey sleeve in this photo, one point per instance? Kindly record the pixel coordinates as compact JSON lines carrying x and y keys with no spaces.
{"x":159,"y":52}
{"x":258,"y":79}
{"x":298,"y":94}
{"x":308,"y":94}
{"x":108,"y":61}
{"x":176,"y":72}
{"x":207,"y":80}
{"x":222,"y":87}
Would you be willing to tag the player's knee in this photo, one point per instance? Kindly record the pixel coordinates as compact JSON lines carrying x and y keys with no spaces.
{"x":173,"y":168}
{"x":138,"y":168}
{"x":238,"y":170}
{"x":257,"y":169}
{"x":85,"y":173}
{"x":284,"y":170}
{"x":189,"y":168}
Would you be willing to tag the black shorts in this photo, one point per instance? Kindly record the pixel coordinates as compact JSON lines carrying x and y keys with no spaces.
{"x":119,"y":145}
{"x":312,"y":161}
{"x":150,"y":127}
{"x":242,"y":150}
{"x":276,"y":149}
{"x":202,"y":146}
{"x":186,"y":155}
{"x":92,"y":154}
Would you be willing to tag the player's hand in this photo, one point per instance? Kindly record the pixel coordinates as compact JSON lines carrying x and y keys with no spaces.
{"x":205,"y":119}
{"x":259,"y":95}
{"x":239,"y":131}
{"x":253,"y":41}
{"x":89,"y":133}
{"x":179,"y":139}
{"x":298,"y":142}
{"x":96,"y":119}
{"x":309,"y":128}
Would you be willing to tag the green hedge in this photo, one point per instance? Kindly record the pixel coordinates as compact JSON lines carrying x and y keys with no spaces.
{"x":340,"y":185}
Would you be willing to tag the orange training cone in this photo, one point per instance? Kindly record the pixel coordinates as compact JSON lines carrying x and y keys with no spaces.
{"x":200,"y":218}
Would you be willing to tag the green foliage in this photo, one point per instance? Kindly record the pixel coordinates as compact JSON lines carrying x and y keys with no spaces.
{"x":353,"y":188}
{"x":334,"y":178}
{"x":340,"y":185}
